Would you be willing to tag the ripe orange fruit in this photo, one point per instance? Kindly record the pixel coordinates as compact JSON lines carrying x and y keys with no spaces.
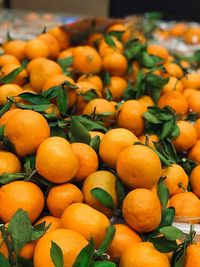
{"x":61,"y":196}
{"x":113,"y":143}
{"x":146,"y":100}
{"x":187,"y":137}
{"x":151,"y":138}
{"x":131,"y":110}
{"x":94,"y":38}
{"x":8,"y":59}
{"x":115,"y":63}
{"x":145,"y":168}
{"x":176,"y":179}
{"x":194,"y":180}
{"x":104,"y":180}
{"x":175,"y":100}
{"x":194,"y":152}
{"x":87,"y":159}
{"x":9,"y":163}
{"x":191,"y":80}
{"x":15,"y":48}
{"x":55,"y":160}
{"x":20,"y":194}
{"x":141,"y":210}
{"x":86,"y":60}
{"x":120,"y":27}
{"x":9,"y":89}
{"x":95,"y":79}
{"x":36,"y":48}
{"x":192,"y":255}
{"x":188,"y":91}
{"x":143,"y":254}
{"x":55,"y":223}
{"x":123,"y":239}
{"x":8,"y":68}
{"x":196,"y":125}
{"x":7,"y":115}
{"x":86,"y":221}
{"x":173,"y":69}
{"x":52,"y":44}
{"x":34,"y":63}
{"x":70,"y":242}
{"x":92,"y":133}
{"x":158,"y":50}
{"x":117,"y":87}
{"x":61,"y":35}
{"x":66,"y":53}
{"x":193,"y":101}
{"x":192,"y":35}
{"x":26,"y":139}
{"x":178,"y":29}
{"x":105,"y":48}
{"x":173,"y":85}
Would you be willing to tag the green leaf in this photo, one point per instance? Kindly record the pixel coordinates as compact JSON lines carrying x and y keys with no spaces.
{"x":171,"y":233}
{"x":65,"y":62}
{"x":108,"y":39}
{"x":103,"y":197}
{"x":107,"y":79}
{"x":3,"y":261}
{"x":5,"y":108}
{"x":110,"y":233}
{"x":38,"y":108}
{"x":95,"y":142}
{"x":103,"y":264}
{"x":117,"y":34}
{"x":13,"y":74}
{"x":56,"y":255}
{"x":6,"y":178}
{"x":146,"y":60}
{"x":151,"y":118}
{"x":29,"y":163}
{"x":167,"y":217}
{"x":89,"y":124}
{"x":84,"y":258}
{"x":180,"y":261}
{"x":51,"y":93}
{"x":167,"y":129}
{"x":133,"y":49}
{"x":89,"y":95}
{"x":163,"y":245}
{"x":156,"y":80}
{"x":120,"y":191}
{"x":39,"y":230}
{"x":20,"y":229}
{"x":22,"y":262}
{"x":62,"y":100}
{"x":33,"y":98}
{"x":163,"y":193}
{"x":2,"y":131}
{"x":79,"y":131}
{"x":108,"y":94}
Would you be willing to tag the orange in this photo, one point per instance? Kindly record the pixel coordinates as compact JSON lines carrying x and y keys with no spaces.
{"x":194,"y":180}
{"x":66,"y":53}
{"x":186,"y":204}
{"x":176,"y":179}
{"x":187,"y":137}
{"x":52,"y":44}
{"x":20,"y":194}
{"x":192,"y":35}
{"x":34,"y":63}
{"x":192,"y":255}
{"x":120,"y":27}
{"x":115,"y":63}
{"x":129,"y":112}
{"x":86,"y":60}
{"x":15,"y":48}
{"x":92,"y":133}
{"x":28,"y":250}
{"x":143,"y":254}
{"x":53,"y":109}
{"x":36,"y":48}
{"x":104,"y":180}
{"x":28,"y":87}
{"x":193,"y":101}
{"x":173,"y":69}
{"x":113,"y":143}
{"x":55,"y":160}
{"x":158,"y":50}
{"x":151,"y":138}
{"x":94,"y":38}
{"x":105,"y":48}
{"x":87,"y":159}
{"x":123,"y":239}
{"x":70,"y":242}
{"x":191,"y":80}
{"x":8,"y":68}
{"x":141,"y":210}
{"x":145,"y":168}
{"x":26,"y":131}
{"x":188,"y":91}
{"x":8,"y":59}
{"x":7,"y":115}
{"x":173,"y":85}
{"x":194,"y":152}
{"x":95,"y":79}
{"x":196,"y":125}
{"x":86,"y":221}
{"x":146,"y":100}
{"x":9,"y":163}
{"x":178,"y":29}
{"x":175,"y":100}
{"x":55,"y":223}
{"x":117,"y":87}
{"x":9,"y":89}
{"x":131,"y":75}
{"x":61,"y":35}
{"x":61,"y":196}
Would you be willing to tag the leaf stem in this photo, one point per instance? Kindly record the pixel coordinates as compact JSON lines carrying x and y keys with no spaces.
{"x":8,"y":244}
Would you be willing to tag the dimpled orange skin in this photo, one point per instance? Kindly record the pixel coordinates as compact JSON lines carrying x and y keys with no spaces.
{"x":8,"y":59}
{"x":36,"y":48}
{"x":55,"y":223}
{"x":21,"y":194}
{"x":15,"y":48}
{"x":9,"y":163}
{"x":123,"y":239}
{"x":173,"y":69}
{"x":139,"y":166}
{"x":52,"y":44}
{"x":61,"y":35}
{"x":158,"y":51}
{"x":95,"y":79}
{"x":143,"y":255}
{"x":102,"y":179}
{"x":130,"y":116}
{"x":9,"y":90}
{"x":192,"y":256}
{"x":176,"y":179}
{"x":87,"y":159}
{"x":26,"y":131}
{"x":192,"y":80}
{"x":86,"y":221}
{"x":61,"y":196}
{"x":194,"y":180}
{"x":101,"y":105}
{"x":196,"y":125}
{"x":194,"y":152}
{"x":193,"y":101}
{"x":113,"y":143}
{"x":56,"y":161}
{"x":142,"y":210}
{"x":70,"y":242}
{"x":115,"y":63}
{"x":117,"y":86}
{"x":7,"y":115}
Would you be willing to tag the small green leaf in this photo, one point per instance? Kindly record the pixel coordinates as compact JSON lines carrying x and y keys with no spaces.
{"x":95,"y":142}
{"x":167,"y":128}
{"x":171,"y":233}
{"x":51,"y":93}
{"x":103,"y":197}
{"x":2,"y":131}
{"x":120,"y":191}
{"x":180,"y":261}
{"x":146,"y":60}
{"x":33,"y":98}
{"x":8,"y":37}
{"x":117,"y":34}
{"x":65,"y":62}
{"x":110,"y":233}
{"x":3,"y":261}
{"x":163,"y":193}
{"x":29,"y":163}
{"x":133,"y":49}
{"x":107,"y":79}
{"x":84,"y":258}
{"x":167,"y":217}
{"x":89,"y":124}
{"x":38,"y":108}
{"x":108,"y":94}
{"x":109,"y":40}
{"x":151,"y":118}
{"x":62,"y":100}
{"x":89,"y":95}
{"x":5,"y":108}
{"x":79,"y":131}
{"x":39,"y":230}
{"x":103,"y":264}
{"x":6,"y":178}
{"x":163,"y":245}
{"x":56,"y":255}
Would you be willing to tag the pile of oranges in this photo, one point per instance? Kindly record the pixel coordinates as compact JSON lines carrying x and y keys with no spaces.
{"x":100,"y":152}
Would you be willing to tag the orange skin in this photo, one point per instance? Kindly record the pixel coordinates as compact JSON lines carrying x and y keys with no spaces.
{"x":115,"y":63}
{"x":52,"y":44}
{"x":176,"y":179}
{"x":191,"y":80}
{"x":145,"y":168}
{"x":102,"y":179}
{"x":62,"y":36}
{"x":192,"y":256}
{"x":61,"y":196}
{"x":151,"y":138}
{"x":173,"y":85}
{"x":21,"y":194}
{"x":9,"y":90}
{"x":9,"y":162}
{"x":7,"y":115}
{"x":70,"y":242}
{"x":86,"y":60}
{"x":28,"y":87}
{"x":147,"y":101}
{"x":131,"y":110}
{"x":105,"y":49}
{"x":15,"y":48}
{"x":94,"y":38}
{"x":188,"y":92}
{"x":117,"y":87}
{"x":159,"y":51}
{"x":187,"y":137}
{"x":87,"y":159}
{"x":55,"y":160}
{"x":94,"y":133}
{"x":69,"y":52}
{"x":194,"y":180}
{"x":175,"y":100}
{"x":193,"y":101}
{"x":27,"y":139}
{"x":192,"y":35}
{"x":36,"y":48}
{"x":143,"y":254}
{"x":141,"y":210}
{"x":95,"y":79}
{"x":173,"y":69}
{"x":113,"y":143}
{"x":55,"y":223}
{"x":194,"y":152}
{"x":8,"y":68}
{"x":123,"y":28}
{"x":123,"y":239}
{"x":178,"y":29}
{"x":34,"y":63}
{"x":8,"y":59}
{"x":196,"y":125}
